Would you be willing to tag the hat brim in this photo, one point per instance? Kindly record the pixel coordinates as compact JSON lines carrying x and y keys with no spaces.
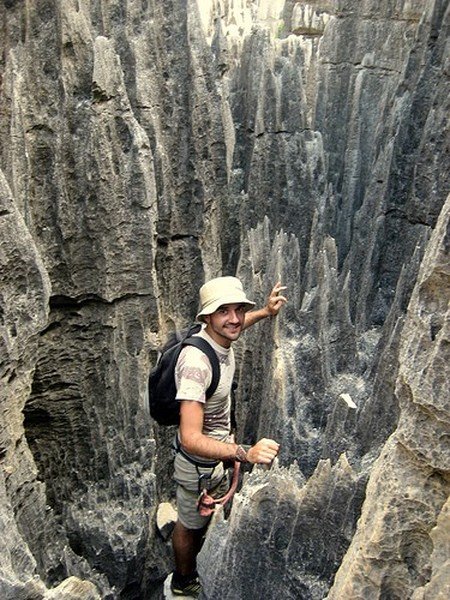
{"x":211,"y":308}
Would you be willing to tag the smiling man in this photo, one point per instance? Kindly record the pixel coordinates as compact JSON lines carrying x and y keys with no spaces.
{"x":204,"y":438}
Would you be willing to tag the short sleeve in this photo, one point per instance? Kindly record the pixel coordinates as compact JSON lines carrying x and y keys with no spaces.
{"x":193,"y":375}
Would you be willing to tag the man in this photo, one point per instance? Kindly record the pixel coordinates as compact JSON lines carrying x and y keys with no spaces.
{"x":204,"y":438}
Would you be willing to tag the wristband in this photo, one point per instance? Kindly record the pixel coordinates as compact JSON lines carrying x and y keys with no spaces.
{"x":241,"y":454}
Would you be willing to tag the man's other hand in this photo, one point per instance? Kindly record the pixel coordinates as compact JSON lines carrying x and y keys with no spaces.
{"x":263,"y":452}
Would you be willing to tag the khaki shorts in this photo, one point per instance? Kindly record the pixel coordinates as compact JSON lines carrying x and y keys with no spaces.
{"x":215,"y":480}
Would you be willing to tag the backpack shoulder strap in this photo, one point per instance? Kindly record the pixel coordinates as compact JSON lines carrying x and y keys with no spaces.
{"x":207,"y":349}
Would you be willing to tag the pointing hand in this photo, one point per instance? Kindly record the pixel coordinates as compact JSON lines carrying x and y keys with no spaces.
{"x":275,"y":301}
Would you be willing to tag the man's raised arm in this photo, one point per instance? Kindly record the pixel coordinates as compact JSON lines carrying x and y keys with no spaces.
{"x":272,"y":308}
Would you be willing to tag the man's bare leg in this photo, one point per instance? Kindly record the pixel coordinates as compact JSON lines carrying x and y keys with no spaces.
{"x":186,"y":545}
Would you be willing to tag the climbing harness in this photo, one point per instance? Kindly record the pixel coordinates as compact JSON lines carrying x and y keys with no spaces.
{"x":206,"y":503}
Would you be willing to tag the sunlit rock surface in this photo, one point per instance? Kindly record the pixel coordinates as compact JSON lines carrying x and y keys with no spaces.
{"x":147,"y":146}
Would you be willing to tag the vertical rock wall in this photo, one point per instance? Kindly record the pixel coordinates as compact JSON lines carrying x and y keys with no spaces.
{"x":147,"y":146}
{"x":398,"y":550}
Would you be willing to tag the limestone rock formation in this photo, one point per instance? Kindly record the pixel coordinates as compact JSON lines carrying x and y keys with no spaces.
{"x":147,"y":146}
{"x":284,"y":536}
{"x":281,"y":524}
{"x":396,"y":551}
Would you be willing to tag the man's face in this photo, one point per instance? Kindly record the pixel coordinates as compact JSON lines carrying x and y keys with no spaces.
{"x":225,"y":324}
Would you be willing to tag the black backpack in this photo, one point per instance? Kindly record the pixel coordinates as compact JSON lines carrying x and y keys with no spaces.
{"x":164,"y":408}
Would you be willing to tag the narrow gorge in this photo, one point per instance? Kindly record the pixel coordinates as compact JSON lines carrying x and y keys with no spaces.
{"x":148,"y":146}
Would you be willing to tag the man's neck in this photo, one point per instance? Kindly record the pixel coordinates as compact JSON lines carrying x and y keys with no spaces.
{"x":221,"y":341}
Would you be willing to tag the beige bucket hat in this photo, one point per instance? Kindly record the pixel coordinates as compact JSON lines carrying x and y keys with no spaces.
{"x":219,"y":291}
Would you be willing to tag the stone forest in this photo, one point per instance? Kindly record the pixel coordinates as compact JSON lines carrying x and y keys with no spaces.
{"x":150,"y":145}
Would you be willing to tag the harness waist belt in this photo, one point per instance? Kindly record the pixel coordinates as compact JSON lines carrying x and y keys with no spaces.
{"x":195,"y":461}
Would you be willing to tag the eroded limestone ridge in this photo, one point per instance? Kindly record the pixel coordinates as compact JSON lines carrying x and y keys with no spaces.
{"x":146,"y":146}
{"x":400,"y":548}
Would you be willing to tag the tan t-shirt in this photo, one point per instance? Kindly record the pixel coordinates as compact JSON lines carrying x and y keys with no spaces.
{"x":193,"y":375}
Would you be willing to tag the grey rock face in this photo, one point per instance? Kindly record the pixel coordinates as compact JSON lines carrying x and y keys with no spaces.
{"x":147,"y":146}
{"x":397,"y":542}
{"x":283,"y":534}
